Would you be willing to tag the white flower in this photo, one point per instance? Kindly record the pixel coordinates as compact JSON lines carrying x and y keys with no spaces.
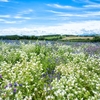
{"x":50,"y":97}
{"x":1,"y":98}
{"x":35,"y":89}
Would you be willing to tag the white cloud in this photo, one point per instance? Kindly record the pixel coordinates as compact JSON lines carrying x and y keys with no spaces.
{"x":10,"y":21}
{"x":3,"y":0}
{"x":74,"y":28}
{"x":5,"y":16}
{"x":20,"y":17}
{"x":85,"y":14}
{"x":63,"y":13}
{"x":85,"y":1}
{"x":28,"y":11}
{"x":97,"y":13}
{"x":1,"y":20}
{"x":88,"y":5}
{"x":61,"y":6}
{"x":92,"y":6}
{"x":7,"y":22}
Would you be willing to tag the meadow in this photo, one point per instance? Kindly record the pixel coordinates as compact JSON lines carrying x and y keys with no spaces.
{"x":49,"y":71}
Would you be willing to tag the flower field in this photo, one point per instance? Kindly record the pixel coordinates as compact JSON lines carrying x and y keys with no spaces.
{"x":37,"y":71}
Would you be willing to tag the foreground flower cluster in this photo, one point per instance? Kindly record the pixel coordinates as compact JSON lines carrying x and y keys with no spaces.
{"x":43,"y":71}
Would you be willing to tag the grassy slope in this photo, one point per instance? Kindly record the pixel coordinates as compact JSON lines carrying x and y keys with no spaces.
{"x":77,"y":37}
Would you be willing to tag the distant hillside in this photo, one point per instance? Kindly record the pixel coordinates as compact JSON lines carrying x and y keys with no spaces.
{"x":93,"y":34}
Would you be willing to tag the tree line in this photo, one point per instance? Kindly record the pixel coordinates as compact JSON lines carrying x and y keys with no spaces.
{"x":17,"y":37}
{"x":45,"y":37}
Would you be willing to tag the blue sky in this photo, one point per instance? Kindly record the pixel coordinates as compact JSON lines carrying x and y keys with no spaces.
{"x":40,"y":17}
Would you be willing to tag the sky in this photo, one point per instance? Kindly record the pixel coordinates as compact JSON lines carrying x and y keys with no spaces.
{"x":43,"y":17}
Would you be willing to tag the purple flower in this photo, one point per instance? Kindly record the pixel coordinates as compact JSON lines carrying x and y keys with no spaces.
{"x":20,"y":85}
{"x":6,"y":86}
{"x":14,"y":90}
{"x":15,"y":84}
{"x":0,"y":76}
{"x":44,"y":75}
{"x":10,"y":85}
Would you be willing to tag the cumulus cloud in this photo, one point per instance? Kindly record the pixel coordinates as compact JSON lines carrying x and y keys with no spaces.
{"x":86,"y":27}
